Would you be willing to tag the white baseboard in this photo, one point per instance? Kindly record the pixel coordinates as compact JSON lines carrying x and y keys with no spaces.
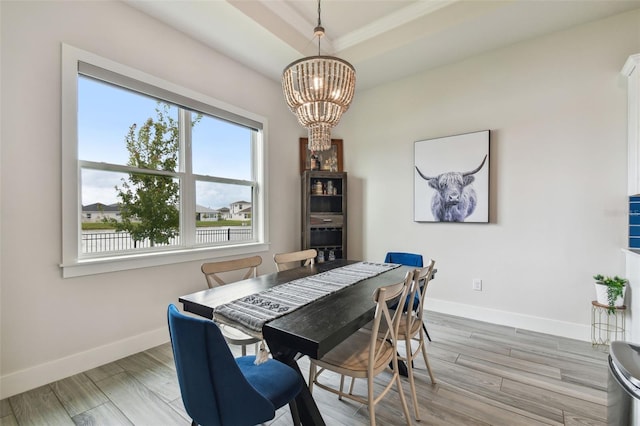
{"x":39,"y":375}
{"x":31,"y":378}
{"x":512,"y":319}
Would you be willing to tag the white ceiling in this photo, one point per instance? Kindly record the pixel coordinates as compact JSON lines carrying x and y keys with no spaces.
{"x":385,"y":40}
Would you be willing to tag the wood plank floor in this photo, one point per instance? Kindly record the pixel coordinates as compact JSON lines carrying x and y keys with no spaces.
{"x":486,"y":375}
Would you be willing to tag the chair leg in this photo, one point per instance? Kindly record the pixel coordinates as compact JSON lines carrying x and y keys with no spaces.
{"x":342,"y":387}
{"x":244,"y":350}
{"x":353,"y":382}
{"x":405,"y":408}
{"x":295,"y":415}
{"x":312,"y":376}
{"x":424,"y":327}
{"x":402,"y":366}
{"x":371,"y":401}
{"x":426,"y":361}
{"x":412,"y":383}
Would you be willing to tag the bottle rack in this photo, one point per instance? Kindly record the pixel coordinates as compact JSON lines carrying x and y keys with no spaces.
{"x":324,"y":213}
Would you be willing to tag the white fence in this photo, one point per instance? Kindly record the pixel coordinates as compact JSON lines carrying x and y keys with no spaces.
{"x":106,"y":241}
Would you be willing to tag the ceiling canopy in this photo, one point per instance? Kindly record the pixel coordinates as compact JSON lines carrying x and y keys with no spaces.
{"x":385,"y":40}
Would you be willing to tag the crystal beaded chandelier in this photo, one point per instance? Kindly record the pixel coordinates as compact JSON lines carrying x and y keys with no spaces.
{"x":318,"y":89}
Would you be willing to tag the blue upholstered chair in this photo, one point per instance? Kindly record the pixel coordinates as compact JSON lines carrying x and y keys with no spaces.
{"x":408,"y":259}
{"x":218,"y":389}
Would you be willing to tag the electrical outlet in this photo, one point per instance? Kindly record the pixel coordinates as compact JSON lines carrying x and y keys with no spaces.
{"x":477,"y":284}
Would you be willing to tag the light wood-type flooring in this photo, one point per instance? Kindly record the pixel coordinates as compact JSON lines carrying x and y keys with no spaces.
{"x":486,"y":375}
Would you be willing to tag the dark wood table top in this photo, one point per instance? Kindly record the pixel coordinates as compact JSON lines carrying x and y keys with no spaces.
{"x":313,"y":329}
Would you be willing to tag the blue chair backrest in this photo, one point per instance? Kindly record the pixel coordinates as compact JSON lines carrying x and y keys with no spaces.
{"x":213,"y":388}
{"x":408,"y":259}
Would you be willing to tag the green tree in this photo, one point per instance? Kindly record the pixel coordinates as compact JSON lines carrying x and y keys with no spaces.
{"x":149,"y":203}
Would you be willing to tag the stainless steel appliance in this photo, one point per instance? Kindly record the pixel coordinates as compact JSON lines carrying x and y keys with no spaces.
{"x":624,"y":382}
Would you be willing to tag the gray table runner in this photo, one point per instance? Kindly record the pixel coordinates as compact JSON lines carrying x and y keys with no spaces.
{"x":252,"y":312}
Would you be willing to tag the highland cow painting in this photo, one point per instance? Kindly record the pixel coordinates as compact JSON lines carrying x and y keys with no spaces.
{"x":451,"y":179}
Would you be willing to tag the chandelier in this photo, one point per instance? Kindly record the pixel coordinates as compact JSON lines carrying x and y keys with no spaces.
{"x":318,"y":90}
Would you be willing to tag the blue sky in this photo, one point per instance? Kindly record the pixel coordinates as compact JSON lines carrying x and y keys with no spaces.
{"x":105,"y":114}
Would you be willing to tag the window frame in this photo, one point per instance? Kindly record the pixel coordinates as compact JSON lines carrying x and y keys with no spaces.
{"x":73,"y":262}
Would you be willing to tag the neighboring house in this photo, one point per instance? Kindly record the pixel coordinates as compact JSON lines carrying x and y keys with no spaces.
{"x":243,"y":214}
{"x":96,"y":212}
{"x":240,"y":210}
{"x":224,"y":213}
{"x":205,"y":213}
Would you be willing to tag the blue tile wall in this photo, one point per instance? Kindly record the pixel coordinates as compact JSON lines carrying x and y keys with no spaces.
{"x":634,"y":222}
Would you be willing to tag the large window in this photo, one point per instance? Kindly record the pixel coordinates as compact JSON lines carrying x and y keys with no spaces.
{"x":161,"y":173}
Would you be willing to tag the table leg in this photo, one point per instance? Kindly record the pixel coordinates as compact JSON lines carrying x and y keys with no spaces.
{"x":307,"y":408}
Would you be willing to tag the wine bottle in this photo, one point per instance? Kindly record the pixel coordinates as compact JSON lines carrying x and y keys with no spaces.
{"x":315,"y":163}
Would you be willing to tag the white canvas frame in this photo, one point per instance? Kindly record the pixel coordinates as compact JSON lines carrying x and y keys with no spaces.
{"x":436,"y":157}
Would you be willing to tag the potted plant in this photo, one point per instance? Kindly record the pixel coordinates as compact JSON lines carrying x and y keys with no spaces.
{"x":610,"y":291}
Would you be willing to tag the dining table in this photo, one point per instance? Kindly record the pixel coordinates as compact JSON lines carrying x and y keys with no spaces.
{"x":312,"y":329}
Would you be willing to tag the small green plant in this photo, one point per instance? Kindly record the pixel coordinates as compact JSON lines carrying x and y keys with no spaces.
{"x":615,"y":286}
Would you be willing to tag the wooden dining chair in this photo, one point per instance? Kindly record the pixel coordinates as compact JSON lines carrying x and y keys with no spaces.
{"x":408,"y":259}
{"x":294,"y":259}
{"x":211,"y":271}
{"x":367,"y":353}
{"x":412,"y":327}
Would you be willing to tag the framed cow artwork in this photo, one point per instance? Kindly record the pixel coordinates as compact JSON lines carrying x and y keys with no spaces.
{"x":451,"y":179}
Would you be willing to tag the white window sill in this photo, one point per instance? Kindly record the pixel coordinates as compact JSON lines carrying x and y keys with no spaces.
{"x":135,"y":261}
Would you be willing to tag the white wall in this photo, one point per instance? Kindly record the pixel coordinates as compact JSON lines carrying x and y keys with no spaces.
{"x":556,"y":108}
{"x":53,"y":327}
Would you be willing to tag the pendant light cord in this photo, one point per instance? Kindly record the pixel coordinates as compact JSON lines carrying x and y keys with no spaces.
{"x":319,"y":31}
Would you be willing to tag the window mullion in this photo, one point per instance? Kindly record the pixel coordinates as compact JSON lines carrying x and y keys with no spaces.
{"x":258,"y":190}
{"x":123,"y":169}
{"x":187,"y":182}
